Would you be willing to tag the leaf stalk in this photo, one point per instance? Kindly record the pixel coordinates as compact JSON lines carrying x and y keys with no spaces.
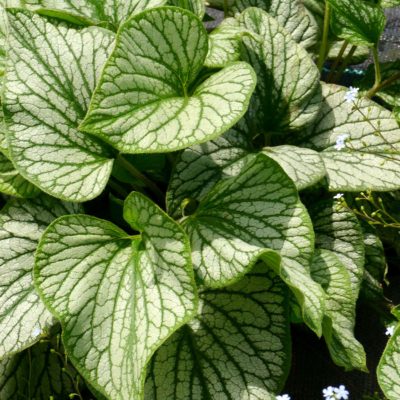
{"x":138,"y":175}
{"x":324,"y":44}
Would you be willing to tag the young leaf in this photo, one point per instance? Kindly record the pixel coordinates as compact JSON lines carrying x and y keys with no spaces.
{"x":224,"y":43}
{"x":148,"y":99}
{"x":237,"y":347}
{"x":50,"y":79}
{"x":12,"y":183}
{"x":23,"y":316}
{"x":243,"y":218}
{"x":118,"y":297}
{"x":357,"y":21}
{"x":304,"y":166}
{"x":36,"y":373}
{"x":371,"y":157}
{"x":340,"y":303}
{"x":338,"y":230}
{"x":287,"y":95}
{"x":375,"y":266}
{"x":388,"y":371}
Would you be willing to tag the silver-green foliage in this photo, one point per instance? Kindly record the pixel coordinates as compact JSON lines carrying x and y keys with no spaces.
{"x":184,"y":289}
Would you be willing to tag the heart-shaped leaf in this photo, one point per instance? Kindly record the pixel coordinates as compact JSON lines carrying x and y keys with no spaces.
{"x":340,"y":303}
{"x":357,"y":21}
{"x":23,"y":316}
{"x":287,"y":95}
{"x":237,"y":347}
{"x":148,"y":99}
{"x":304,"y":166}
{"x":370,"y":158}
{"x":337,"y":229}
{"x":118,"y":297}
{"x":388,"y":371}
{"x":50,"y":79}
{"x":243,"y":218}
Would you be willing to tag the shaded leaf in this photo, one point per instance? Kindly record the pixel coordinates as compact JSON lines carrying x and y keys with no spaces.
{"x":338,"y":230}
{"x":12,"y":183}
{"x":357,"y":21}
{"x":36,"y":373}
{"x":287,"y":95}
{"x":330,"y":272}
{"x":237,"y":347}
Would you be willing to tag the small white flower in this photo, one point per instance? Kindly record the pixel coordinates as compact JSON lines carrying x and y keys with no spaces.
{"x":338,"y":196}
{"x":36,"y":332}
{"x":351,"y":94}
{"x":329,"y":393}
{"x":341,"y":393}
{"x":340,"y":141}
{"x":283,"y":397}
{"x":389,"y":330}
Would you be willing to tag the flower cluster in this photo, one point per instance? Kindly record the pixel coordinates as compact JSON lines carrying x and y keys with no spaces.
{"x":283,"y":397}
{"x":340,"y":141}
{"x":351,"y":95}
{"x":335,"y":393}
{"x":389,"y":330}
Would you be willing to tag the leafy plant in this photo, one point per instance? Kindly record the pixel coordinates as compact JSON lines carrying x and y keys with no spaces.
{"x":171,"y":198}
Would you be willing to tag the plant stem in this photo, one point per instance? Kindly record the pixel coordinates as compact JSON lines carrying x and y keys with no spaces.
{"x":345,"y":63}
{"x":338,"y":59}
{"x":225,"y":8}
{"x":378,"y":78}
{"x":383,"y":84}
{"x":118,"y":188}
{"x":138,"y":175}
{"x":324,"y":44}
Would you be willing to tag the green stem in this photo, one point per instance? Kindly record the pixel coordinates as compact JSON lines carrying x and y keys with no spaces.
{"x":118,"y":188}
{"x":225,"y":9}
{"x":138,"y":175}
{"x":378,"y":78}
{"x":324,"y":44}
{"x":337,"y":61}
{"x":383,"y":84}
{"x":345,"y":63}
